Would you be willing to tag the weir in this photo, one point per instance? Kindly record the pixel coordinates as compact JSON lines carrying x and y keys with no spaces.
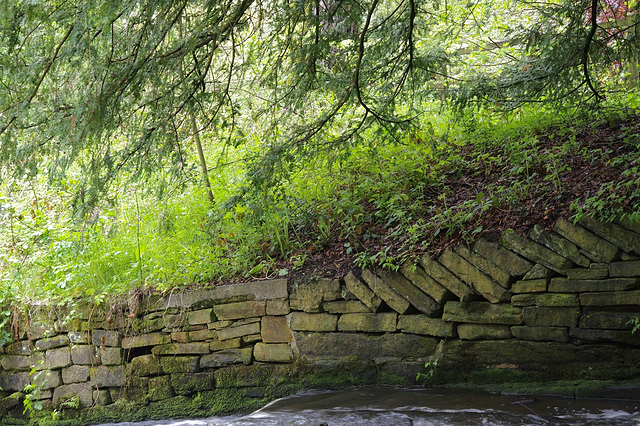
{"x":552,"y":313}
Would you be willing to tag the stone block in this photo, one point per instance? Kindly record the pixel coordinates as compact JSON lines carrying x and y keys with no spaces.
{"x":190,"y":383}
{"x":483,"y":332}
{"x":57,"y":358}
{"x":148,"y":324}
{"x":368,"y":322}
{"x":160,"y":388}
{"x":423,"y":324}
{"x":592,"y":246}
{"x":199,"y":335}
{"x":565,"y":285}
{"x":180,"y":364}
{"x":624,"y":337}
{"x":394,"y":300}
{"x":525,"y":299}
{"x":302,"y":321}
{"x":181,"y":336}
{"x":145,"y":365}
{"x":220,"y":324}
{"x":11,"y":381}
{"x":611,"y":298}
{"x":52,"y":342}
{"x":345,"y":307}
{"x":106,"y":338}
{"x":240,"y":310}
{"x":243,"y":330}
{"x":362,"y":292}
{"x":628,"y":222}
{"x":85,"y":355}
{"x":615,"y":234}
{"x":201,"y":316}
{"x":193,"y":348}
{"x":225,"y":344}
{"x":424,"y":282}
{"x":174,"y":321}
{"x":108,"y":376}
{"x":558,"y":244}
{"x":530,"y":286}
{"x":609,"y":320}
{"x":551,"y":316}
{"x":22,"y":362}
{"x":102,"y":397}
{"x":143,"y":340}
{"x":227,"y":357}
{"x":587,"y":273}
{"x":273,"y":352}
{"x":534,"y":251}
{"x":78,"y":338}
{"x":625,"y":269}
{"x":75,"y":374}
{"x":366,"y":346}
{"x":308,"y":294}
{"x":275,"y":329}
{"x":412,"y":294}
{"x":541,"y":334}
{"x":18,"y":348}
{"x":476,"y":280}
{"x":499,"y":276}
{"x":278,"y":307}
{"x":111,"y":356}
{"x":445,"y":277}
{"x":506,"y":260}
{"x":48,"y":379}
{"x":82,"y":391}
{"x":482,"y":313}
{"x":557,"y":299}
{"x":257,"y":290}
{"x":251,"y":338}
{"x":538,"y":272}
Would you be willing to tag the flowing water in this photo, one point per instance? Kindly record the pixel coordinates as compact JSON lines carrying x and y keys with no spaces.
{"x":378,"y":406}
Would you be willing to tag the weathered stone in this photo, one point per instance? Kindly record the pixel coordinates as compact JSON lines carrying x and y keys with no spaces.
{"x":57,"y":358}
{"x":587,"y":273}
{"x":145,"y":365}
{"x":276,"y":352}
{"x":609,"y":320}
{"x":362,"y":292}
{"x":424,"y":282}
{"x":52,"y":342}
{"x":625,"y":269}
{"x":538,"y":272}
{"x":219,"y":324}
{"x":174,"y":321}
{"x":18,"y":348}
{"x":526,"y":299}
{"x":368,"y":322}
{"x":75,"y":374}
{"x":225,"y":344}
{"x":506,"y":260}
{"x":278,"y":307}
{"x":243,"y":330}
{"x":629,"y":222}
{"x":108,"y":376}
{"x":202,"y":316}
{"x":111,"y":356}
{"x":613,"y":298}
{"x":82,"y":391}
{"x":345,"y":307}
{"x":22,"y":362}
{"x":366,"y":346}
{"x":200,"y":335}
{"x":302,"y":321}
{"x":251,"y":338}
{"x":482,"y":313}
{"x":394,"y":300}
{"x":445,"y":277}
{"x":143,"y":340}
{"x":557,"y":299}
{"x":558,"y":244}
{"x":475,"y":279}
{"x":106,"y":338}
{"x":258,"y":290}
{"x":496,"y":274}
{"x":483,"y":332}
{"x":534,"y":251}
{"x":78,"y":338}
{"x":540,"y":334}
{"x":240,"y":310}
{"x":189,"y":383}
{"x":423,"y":324}
{"x":564,"y":285}
{"x":416,"y":297}
{"x":192,"y":348}
{"x":551,"y":316}
{"x":308,"y":294}
{"x":227,"y":357}
{"x":245,"y":321}
{"x":530,"y":286}
{"x":180,"y":364}
{"x":48,"y":379}
{"x":275,"y":330}
{"x":85,"y":355}
{"x":11,"y":381}
{"x":102,"y":397}
{"x":592,"y":246}
{"x":598,"y":335}
{"x":180,"y":336}
{"x":615,"y":234}
{"x":160,"y":388}
{"x":148,"y":324}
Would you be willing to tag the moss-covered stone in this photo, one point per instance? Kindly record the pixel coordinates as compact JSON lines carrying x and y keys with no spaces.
{"x":160,"y":388}
{"x":551,"y":316}
{"x":423,"y":324}
{"x":482,"y":313}
{"x":483,"y":331}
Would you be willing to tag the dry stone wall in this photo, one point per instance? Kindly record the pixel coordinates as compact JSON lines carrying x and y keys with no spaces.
{"x":559,"y":304}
